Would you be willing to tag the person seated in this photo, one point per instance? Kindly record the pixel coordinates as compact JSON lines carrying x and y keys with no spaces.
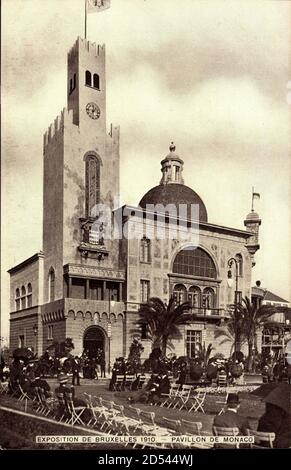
{"x":276,"y":420}
{"x":230,"y":418}
{"x":182,"y":374}
{"x":161,"y":386}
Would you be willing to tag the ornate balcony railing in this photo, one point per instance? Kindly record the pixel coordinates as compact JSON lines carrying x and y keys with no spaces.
{"x":207,"y":312}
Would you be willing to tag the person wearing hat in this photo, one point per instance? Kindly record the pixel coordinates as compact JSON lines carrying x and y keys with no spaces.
{"x":230,"y":418}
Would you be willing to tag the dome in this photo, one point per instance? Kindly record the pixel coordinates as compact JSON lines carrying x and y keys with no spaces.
{"x":174,"y":193}
{"x":252,"y":216}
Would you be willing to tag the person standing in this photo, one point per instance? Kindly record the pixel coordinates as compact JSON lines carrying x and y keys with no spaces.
{"x":76,"y":367}
{"x":102,"y":365}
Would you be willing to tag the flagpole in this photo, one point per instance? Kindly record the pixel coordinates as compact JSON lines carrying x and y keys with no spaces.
{"x":252,"y":199}
{"x":85,"y":19}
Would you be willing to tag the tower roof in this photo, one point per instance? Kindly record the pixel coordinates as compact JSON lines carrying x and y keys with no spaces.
{"x":172,"y":189}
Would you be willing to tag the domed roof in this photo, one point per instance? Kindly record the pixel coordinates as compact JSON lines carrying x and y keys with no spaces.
{"x":253,"y":216}
{"x":174,"y":193}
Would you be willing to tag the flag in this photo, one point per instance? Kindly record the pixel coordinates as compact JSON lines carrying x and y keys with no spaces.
{"x":256,"y":195}
{"x":94,"y":6}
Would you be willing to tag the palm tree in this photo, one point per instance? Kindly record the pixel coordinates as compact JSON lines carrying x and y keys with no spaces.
{"x":253,"y":318}
{"x":162,"y":321}
{"x":203,"y":354}
{"x":234,"y":324}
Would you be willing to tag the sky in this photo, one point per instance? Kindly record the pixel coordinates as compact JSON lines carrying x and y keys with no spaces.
{"x":212,"y":76}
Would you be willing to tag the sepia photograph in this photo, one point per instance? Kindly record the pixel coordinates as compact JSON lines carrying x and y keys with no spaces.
{"x":146,"y":261}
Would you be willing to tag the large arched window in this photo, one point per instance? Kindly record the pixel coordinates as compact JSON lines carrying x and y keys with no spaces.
{"x":29,"y":295}
{"x":180,"y":294}
{"x":194,"y":296}
{"x":17,"y":299}
{"x":88,"y":78}
{"x":194,"y":262}
{"x":23,"y":297}
{"x":92,"y":183}
{"x":96,"y":81}
{"x":51,"y":285}
{"x":208,"y":298}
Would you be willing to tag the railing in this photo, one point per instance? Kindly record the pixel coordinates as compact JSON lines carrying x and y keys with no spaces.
{"x":207,"y":312}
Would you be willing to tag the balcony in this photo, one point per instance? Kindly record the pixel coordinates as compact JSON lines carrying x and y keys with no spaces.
{"x":207,"y":313}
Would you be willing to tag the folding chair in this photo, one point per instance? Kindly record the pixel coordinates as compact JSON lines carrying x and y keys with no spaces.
{"x":261,"y":438}
{"x":222,"y":380}
{"x":75,"y":411}
{"x":190,"y":428}
{"x":23,"y":394}
{"x":3,"y":387}
{"x":119,"y":383}
{"x":65,"y":414}
{"x":95,"y":408}
{"x":198,"y":400}
{"x":222,"y":431}
{"x":183,"y":397}
{"x":128,"y":381}
{"x":169,"y":398}
{"x":149,"y":426}
{"x":223,"y":403}
{"x":106,"y":414}
{"x":141,"y":381}
{"x":173,"y":425}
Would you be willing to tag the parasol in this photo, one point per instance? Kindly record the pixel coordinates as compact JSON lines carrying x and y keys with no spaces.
{"x":281,"y":397}
{"x":23,"y":353}
{"x":264,"y":389}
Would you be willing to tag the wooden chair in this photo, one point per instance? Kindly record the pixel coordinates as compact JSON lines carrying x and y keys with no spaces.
{"x":222,"y":431}
{"x":198,"y":400}
{"x":168,"y":399}
{"x":183,"y":397}
{"x":190,"y":428}
{"x":141,"y":381}
{"x":261,"y":438}
{"x":3,"y":387}
{"x":222,"y":380}
{"x":128,"y":381}
{"x":172,"y":425}
{"x":74,"y":411}
{"x":95,"y":408}
{"x":23,"y":394}
{"x":119,"y":383}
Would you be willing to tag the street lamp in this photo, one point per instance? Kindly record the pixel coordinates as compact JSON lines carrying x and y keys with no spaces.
{"x":35,"y":329}
{"x":111,"y":303}
{"x":230,"y":263}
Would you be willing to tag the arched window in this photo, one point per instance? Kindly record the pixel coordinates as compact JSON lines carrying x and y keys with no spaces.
{"x":88,"y":78}
{"x":17,"y":299}
{"x":194,"y":262}
{"x":145,"y":247}
{"x":23,"y":297}
{"x":51,"y":285}
{"x":239,"y":259}
{"x":96,"y":81}
{"x":180,"y":294}
{"x":208,"y":298}
{"x":29,"y":295}
{"x":194,"y":296}
{"x":92,"y":183}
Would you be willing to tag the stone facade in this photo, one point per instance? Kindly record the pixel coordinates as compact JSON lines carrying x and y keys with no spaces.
{"x":88,"y":282}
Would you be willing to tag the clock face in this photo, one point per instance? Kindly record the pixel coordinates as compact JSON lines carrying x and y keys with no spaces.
{"x":93,"y":110}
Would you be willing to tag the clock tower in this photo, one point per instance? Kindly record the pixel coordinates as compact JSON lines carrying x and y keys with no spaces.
{"x":81,"y":162}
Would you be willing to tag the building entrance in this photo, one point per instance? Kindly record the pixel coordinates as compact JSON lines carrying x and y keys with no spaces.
{"x":94,"y":340}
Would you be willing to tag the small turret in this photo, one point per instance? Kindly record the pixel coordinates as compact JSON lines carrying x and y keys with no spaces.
{"x":172,"y":167}
{"x":252,"y":224}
